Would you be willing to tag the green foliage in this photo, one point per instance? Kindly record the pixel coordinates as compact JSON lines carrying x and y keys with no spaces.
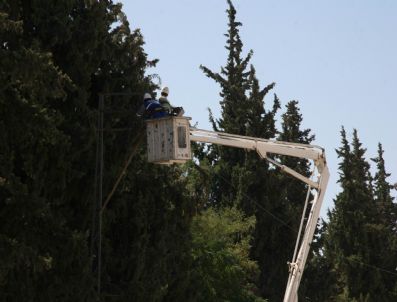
{"x":382,"y":192}
{"x":319,"y":280}
{"x":39,"y":251}
{"x":357,"y":243}
{"x":56,"y":57}
{"x":286,"y":199}
{"x":241,"y":178}
{"x":223,"y":270}
{"x":147,"y":236}
{"x":243,"y":113}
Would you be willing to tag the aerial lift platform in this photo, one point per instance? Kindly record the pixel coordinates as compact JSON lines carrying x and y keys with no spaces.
{"x":168,"y":142}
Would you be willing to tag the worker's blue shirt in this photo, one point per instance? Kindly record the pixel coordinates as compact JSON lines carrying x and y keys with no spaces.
{"x":154,"y":109}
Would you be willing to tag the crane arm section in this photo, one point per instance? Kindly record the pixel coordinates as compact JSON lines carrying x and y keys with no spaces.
{"x":309,"y":152}
{"x":262,"y":146}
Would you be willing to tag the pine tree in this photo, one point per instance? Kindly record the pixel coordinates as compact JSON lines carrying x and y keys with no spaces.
{"x":56,"y":58}
{"x":382,"y":190}
{"x":242,"y":178}
{"x":286,"y":198}
{"x":243,"y":113}
{"x":294,"y":191}
{"x":319,"y":281}
{"x":353,"y":238}
{"x":387,"y":226}
{"x":345,"y":242}
{"x":40,"y":252}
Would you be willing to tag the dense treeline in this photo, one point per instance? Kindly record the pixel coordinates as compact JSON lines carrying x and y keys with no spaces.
{"x":218,"y":229}
{"x":56,"y":57}
{"x":355,"y":254}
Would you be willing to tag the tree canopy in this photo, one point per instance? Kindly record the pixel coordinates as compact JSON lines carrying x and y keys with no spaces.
{"x":219,"y":228}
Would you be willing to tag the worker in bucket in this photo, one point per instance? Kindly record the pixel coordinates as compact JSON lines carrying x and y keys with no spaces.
{"x":164,"y":100}
{"x":152,"y":108}
{"x":176,"y":111}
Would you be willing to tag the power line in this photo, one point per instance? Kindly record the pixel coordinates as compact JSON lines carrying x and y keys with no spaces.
{"x":285,"y":223}
{"x":372,"y":266}
{"x":275,"y":217}
{"x":288,"y":226}
{"x":135,"y":145}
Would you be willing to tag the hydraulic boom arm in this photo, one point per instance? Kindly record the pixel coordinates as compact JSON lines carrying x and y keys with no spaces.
{"x":310,"y":152}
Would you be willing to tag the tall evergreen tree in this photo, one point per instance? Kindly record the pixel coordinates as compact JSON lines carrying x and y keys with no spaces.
{"x":239,"y":177}
{"x":382,"y":190}
{"x":286,"y":199}
{"x":353,"y":239}
{"x":40,"y":251}
{"x":319,"y":281}
{"x":387,"y":226}
{"x":242,"y":178}
{"x":294,"y":191}
{"x":56,"y":57}
{"x":243,"y":113}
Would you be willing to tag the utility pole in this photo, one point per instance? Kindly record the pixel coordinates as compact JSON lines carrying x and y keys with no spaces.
{"x":100,"y":193}
{"x":98,"y":208}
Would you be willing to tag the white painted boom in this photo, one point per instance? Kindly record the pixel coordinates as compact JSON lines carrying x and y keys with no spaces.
{"x":310,"y":152}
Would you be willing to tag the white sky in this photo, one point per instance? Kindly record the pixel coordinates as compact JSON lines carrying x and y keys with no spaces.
{"x":337,"y":58}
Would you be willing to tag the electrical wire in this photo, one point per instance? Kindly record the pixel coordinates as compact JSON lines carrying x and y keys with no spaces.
{"x":135,"y":145}
{"x":373,"y":266}
{"x":275,"y":217}
{"x":288,"y":226}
